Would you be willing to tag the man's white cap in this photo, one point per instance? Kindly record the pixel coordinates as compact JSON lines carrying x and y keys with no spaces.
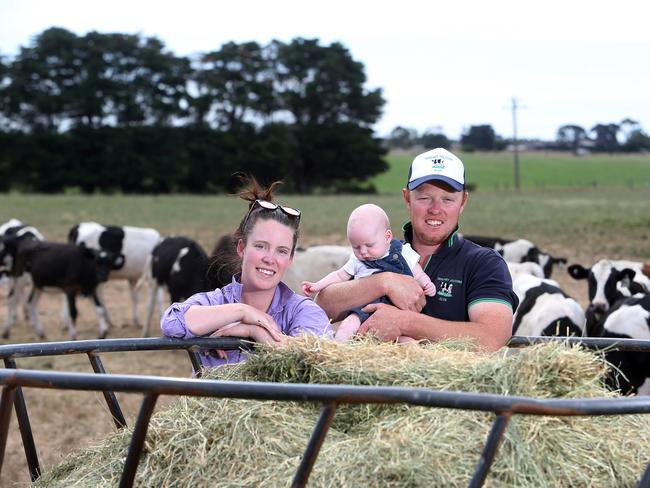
{"x":437,"y":164}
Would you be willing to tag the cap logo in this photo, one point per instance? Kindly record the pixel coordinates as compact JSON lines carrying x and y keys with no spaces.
{"x":437,"y":162}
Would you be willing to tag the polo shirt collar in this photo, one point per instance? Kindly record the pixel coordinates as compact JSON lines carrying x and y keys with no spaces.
{"x":451,"y":240}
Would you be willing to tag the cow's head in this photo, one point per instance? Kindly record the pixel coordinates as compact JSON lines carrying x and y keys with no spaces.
{"x":546,"y":261}
{"x":104,"y":262}
{"x":606,"y":285}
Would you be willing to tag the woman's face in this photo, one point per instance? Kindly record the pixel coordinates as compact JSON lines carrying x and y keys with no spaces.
{"x":266,"y":256}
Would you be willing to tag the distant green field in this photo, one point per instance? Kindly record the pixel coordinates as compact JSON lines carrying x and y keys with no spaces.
{"x":591,"y":222}
{"x":538,"y":170}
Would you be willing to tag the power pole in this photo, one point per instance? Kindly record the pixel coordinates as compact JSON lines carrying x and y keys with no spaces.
{"x":515,"y":143}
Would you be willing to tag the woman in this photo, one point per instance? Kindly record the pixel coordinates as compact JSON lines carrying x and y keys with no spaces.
{"x":256,"y":305}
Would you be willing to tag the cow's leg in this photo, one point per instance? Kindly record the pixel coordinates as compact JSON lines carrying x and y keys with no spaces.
{"x":134,"y":300}
{"x":154,"y":288}
{"x":65,"y":314}
{"x":102,"y":315}
{"x":32,"y":310}
{"x":12,"y":302}
{"x":99,"y":296}
{"x":72,"y":315}
{"x":24,"y":282}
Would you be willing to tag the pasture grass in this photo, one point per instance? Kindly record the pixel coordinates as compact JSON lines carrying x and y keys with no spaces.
{"x":593,"y":222}
{"x":228,"y":442}
{"x":539,"y":170}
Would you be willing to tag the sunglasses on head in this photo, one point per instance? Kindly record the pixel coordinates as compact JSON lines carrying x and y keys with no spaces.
{"x":289,"y":211}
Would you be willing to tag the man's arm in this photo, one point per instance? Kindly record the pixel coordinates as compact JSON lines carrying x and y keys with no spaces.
{"x":402,"y":290}
{"x":490,"y":324}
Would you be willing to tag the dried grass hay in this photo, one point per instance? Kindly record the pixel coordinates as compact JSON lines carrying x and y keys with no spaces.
{"x":204,"y":442}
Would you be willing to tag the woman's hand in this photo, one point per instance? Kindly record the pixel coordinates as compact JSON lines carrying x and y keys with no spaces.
{"x":257,"y":333}
{"x":253,"y":316}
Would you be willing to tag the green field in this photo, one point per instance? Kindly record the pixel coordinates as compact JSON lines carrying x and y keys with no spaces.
{"x":589,"y":223}
{"x":596,"y":206}
{"x":538,"y":171}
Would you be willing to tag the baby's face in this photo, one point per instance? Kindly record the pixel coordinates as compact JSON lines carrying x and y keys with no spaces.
{"x":369,"y":242}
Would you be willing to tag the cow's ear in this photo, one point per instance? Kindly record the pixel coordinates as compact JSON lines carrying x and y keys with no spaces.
{"x":578,"y":272}
{"x":559,"y":261}
{"x":118,"y":262}
{"x":637,"y":288}
{"x":625,"y":276}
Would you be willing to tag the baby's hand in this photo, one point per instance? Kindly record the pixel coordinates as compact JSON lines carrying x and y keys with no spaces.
{"x":430,"y":289}
{"x":309,"y":288}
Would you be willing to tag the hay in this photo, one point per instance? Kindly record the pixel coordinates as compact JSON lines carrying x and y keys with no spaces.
{"x":233,"y":443}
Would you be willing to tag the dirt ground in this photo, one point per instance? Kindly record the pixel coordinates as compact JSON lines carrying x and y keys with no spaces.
{"x":65,"y":420}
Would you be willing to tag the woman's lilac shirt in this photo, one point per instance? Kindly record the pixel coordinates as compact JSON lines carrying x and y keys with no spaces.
{"x":294,"y":314}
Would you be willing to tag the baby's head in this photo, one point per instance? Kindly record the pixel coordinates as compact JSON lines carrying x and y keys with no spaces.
{"x":369,"y":232}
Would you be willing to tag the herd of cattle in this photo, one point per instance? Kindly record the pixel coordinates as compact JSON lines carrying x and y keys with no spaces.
{"x":619,"y":291}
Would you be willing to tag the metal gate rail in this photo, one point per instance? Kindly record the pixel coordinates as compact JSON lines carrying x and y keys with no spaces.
{"x":12,"y":393}
{"x":92,"y":348}
{"x":330,"y":396}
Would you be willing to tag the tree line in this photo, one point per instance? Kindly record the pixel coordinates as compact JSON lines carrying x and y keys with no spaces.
{"x":626,"y":136}
{"x":120,"y":112}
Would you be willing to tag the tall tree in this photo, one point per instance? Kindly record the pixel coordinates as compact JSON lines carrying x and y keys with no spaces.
{"x":234,"y":84}
{"x":479,"y":137}
{"x":63,"y":80}
{"x":323,"y":84}
{"x":321,"y":91}
{"x":149,"y":84}
{"x":434,"y":137}
{"x":628,"y":127}
{"x":402,"y":138}
{"x":40,"y":94}
{"x":571,"y":137}
{"x":606,"y":137}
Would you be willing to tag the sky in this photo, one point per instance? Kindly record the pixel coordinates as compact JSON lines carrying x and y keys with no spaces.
{"x":441,"y":65}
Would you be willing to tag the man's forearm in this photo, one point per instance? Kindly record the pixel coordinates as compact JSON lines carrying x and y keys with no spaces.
{"x":340,"y":297}
{"x":490,"y":330}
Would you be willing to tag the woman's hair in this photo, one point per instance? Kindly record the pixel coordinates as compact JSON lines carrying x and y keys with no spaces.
{"x":225,"y":262}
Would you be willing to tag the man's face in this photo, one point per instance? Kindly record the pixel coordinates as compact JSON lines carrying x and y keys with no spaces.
{"x":434,"y":209}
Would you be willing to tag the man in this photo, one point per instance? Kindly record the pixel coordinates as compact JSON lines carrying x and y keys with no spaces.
{"x":474,"y":290}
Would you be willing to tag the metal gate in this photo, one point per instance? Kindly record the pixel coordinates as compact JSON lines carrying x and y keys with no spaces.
{"x":504,"y":407}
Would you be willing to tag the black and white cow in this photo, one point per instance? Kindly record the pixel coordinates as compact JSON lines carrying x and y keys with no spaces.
{"x":179,"y":264}
{"x":14,"y":235}
{"x":608,"y":282}
{"x":132,"y":244}
{"x":68,"y":268}
{"x":519,"y":251}
{"x":314,"y":263}
{"x":545,"y":309}
{"x":628,"y":318}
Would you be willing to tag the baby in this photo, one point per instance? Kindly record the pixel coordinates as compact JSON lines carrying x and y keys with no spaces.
{"x":374,"y":251}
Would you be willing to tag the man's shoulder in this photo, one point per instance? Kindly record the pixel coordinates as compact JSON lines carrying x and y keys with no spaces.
{"x":481,"y":259}
{"x":470,"y":248}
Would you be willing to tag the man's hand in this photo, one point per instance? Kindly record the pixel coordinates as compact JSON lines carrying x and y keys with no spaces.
{"x":383,"y":322}
{"x":404,"y":292}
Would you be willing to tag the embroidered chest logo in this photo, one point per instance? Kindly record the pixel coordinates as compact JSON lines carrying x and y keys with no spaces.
{"x":445,"y":289}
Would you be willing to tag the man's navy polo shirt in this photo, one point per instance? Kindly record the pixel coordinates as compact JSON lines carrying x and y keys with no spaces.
{"x":465,"y":274}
